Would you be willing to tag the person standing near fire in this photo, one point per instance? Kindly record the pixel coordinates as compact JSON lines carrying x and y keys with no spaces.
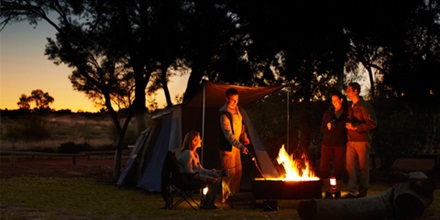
{"x":233,"y":129}
{"x":334,"y":144}
{"x":362,"y":121}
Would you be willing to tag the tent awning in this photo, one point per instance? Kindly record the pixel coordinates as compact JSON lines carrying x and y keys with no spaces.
{"x":215,"y":94}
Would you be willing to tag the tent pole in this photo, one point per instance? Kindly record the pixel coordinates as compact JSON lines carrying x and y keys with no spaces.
{"x":203,"y":121}
{"x":288,"y":119}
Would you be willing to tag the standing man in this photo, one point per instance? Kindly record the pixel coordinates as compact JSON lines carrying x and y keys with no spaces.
{"x":233,"y":129}
{"x":362,"y":121}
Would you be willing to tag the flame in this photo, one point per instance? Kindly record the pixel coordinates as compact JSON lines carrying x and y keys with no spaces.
{"x":294,"y":169}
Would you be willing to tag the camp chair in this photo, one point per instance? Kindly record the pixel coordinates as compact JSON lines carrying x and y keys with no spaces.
{"x":175,"y":183}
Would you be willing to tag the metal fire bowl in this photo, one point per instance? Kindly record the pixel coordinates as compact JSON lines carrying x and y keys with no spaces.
{"x":286,"y":189}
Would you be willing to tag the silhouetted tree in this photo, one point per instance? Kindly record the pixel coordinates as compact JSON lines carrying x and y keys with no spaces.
{"x":41,"y":99}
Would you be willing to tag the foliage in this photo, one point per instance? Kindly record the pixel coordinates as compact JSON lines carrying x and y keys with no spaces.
{"x":12,"y":134}
{"x":406,"y":127}
{"x":41,"y":99}
{"x":71,"y":147}
{"x":28,"y":128}
{"x":36,"y":129}
{"x":90,"y":128}
{"x":309,"y":45}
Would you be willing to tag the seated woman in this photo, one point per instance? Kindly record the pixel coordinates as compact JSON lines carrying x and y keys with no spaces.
{"x":188,"y":160}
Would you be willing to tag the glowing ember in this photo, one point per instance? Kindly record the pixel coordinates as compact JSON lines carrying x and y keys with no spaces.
{"x":297,"y":170}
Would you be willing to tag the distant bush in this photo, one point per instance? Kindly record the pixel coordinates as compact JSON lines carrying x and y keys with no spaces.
{"x":36,"y":129}
{"x":72,"y":148}
{"x":28,"y":129}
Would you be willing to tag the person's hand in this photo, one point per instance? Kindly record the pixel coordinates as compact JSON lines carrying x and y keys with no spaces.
{"x":350,"y":126}
{"x":246,"y":141}
{"x":329,"y":126}
{"x":216,"y":171}
{"x":211,"y":179}
{"x":245,"y":150}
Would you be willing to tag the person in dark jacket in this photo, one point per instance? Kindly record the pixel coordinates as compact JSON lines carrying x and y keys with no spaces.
{"x":362,"y":121}
{"x":334,"y":144}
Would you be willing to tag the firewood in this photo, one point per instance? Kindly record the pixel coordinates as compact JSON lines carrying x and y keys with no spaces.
{"x":404,"y":200}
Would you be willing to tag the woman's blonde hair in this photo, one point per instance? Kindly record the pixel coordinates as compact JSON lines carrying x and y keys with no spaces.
{"x":187,"y":141}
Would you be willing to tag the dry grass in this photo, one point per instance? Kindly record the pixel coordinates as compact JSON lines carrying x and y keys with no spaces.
{"x":78,"y":198}
{"x":96,"y":131}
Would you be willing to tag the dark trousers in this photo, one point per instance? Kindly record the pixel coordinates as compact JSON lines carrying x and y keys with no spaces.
{"x":338,"y":156}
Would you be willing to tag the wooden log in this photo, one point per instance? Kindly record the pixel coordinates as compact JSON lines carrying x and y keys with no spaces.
{"x":412,"y":198}
{"x":371,"y":207}
{"x":404,"y":200}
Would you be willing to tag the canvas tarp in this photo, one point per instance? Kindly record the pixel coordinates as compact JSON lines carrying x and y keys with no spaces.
{"x":200,"y":113}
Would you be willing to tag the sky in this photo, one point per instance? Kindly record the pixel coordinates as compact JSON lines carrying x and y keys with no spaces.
{"x":24,"y":68}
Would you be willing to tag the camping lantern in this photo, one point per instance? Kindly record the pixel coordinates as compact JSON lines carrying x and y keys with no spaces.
{"x":204,"y":192}
{"x":333,"y":184}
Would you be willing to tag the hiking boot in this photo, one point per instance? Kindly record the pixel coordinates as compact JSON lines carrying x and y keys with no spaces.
{"x":328,"y":195}
{"x":360,"y":195}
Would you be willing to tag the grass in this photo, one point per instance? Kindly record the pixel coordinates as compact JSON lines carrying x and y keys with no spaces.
{"x":30,"y":197}
{"x":96,"y":131}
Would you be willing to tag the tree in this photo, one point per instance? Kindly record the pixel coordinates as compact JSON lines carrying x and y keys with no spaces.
{"x":24,"y":102}
{"x":105,"y":67}
{"x":307,"y":45}
{"x":41,"y":99}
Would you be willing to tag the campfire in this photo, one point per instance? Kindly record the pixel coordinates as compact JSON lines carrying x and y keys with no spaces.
{"x":296,"y":169}
{"x":298,"y":182}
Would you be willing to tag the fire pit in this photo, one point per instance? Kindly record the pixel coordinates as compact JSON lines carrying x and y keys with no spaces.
{"x":269,"y":189}
{"x":298,"y":182}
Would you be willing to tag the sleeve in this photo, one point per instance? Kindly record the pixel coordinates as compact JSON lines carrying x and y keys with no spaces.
{"x":369,"y":119}
{"x":325,"y":119}
{"x":186,"y":160}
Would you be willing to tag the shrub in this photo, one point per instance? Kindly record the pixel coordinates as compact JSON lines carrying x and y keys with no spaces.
{"x":72,"y":148}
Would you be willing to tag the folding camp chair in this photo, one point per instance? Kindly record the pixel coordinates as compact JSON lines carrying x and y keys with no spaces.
{"x":175,"y":183}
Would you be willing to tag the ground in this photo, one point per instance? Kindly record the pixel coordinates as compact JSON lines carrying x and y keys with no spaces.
{"x":100,"y":168}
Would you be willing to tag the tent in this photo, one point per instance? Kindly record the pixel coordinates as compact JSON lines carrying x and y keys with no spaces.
{"x":200,"y":113}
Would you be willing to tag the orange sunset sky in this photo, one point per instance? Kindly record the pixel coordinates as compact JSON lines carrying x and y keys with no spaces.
{"x":24,"y":68}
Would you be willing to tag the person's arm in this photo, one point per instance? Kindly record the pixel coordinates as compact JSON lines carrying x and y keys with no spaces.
{"x":244,"y":137}
{"x":369,"y":121}
{"x":325,"y":120}
{"x":186,"y":162}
